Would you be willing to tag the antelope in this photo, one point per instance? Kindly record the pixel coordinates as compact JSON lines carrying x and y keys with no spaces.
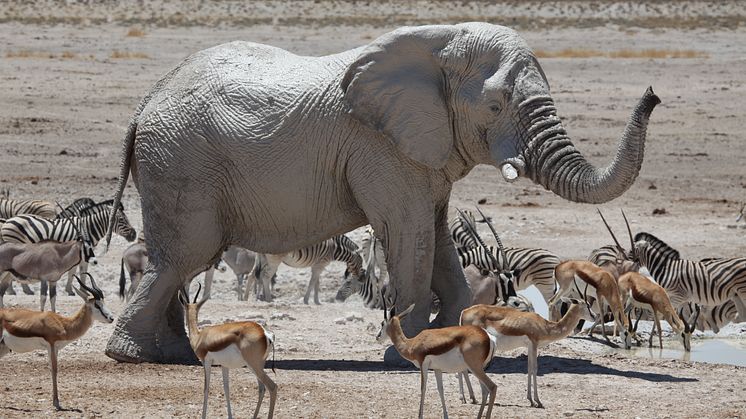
{"x":450,"y":349}
{"x":44,"y":261}
{"x":606,"y":290}
{"x":230,"y":345}
{"x":643,"y":293}
{"x":519,"y":302}
{"x":135,"y":260}
{"x":514,"y":329}
{"x":26,"y":330}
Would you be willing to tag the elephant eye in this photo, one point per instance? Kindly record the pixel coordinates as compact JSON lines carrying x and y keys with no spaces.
{"x":495,"y":108}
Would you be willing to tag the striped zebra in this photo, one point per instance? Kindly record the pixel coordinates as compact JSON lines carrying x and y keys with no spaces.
{"x":32,"y":229}
{"x":713,"y":318}
{"x":10,"y":208}
{"x":708,"y":283}
{"x":78,"y":207}
{"x":376,"y":274}
{"x":532,"y":266}
{"x":317,"y":257}
{"x":461,"y":234}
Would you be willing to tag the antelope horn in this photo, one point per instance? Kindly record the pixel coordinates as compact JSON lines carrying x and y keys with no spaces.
{"x":610,"y":232}
{"x":383,"y":301}
{"x":84,"y":286}
{"x":94,"y":286}
{"x":500,"y":246}
{"x":693,"y":318}
{"x":683,"y":320}
{"x":629,"y":231}
{"x":199,"y":288}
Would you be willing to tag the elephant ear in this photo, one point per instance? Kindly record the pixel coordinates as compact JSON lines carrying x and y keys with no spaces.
{"x":397,"y":86}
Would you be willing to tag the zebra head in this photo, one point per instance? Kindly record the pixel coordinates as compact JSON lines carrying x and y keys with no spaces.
{"x":123,"y":227}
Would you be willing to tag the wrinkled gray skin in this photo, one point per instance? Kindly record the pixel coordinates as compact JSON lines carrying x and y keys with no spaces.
{"x":250,"y":145}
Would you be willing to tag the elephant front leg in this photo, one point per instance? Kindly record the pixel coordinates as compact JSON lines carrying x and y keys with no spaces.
{"x":448,"y":282}
{"x":410,"y":251}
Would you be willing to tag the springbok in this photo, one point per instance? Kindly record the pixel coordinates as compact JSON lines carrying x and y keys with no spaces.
{"x":450,"y":349}
{"x":230,"y":345}
{"x":26,"y":330}
{"x":605,"y":287}
{"x":518,"y":329}
{"x":641,"y":292}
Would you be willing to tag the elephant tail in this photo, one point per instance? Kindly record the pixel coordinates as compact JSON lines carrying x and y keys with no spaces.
{"x":122,"y":281}
{"x":128,"y":146}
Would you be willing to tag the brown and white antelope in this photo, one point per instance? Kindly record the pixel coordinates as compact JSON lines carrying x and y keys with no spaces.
{"x":606,"y":292}
{"x":514,"y":329}
{"x":643,"y":293}
{"x":231,"y":345}
{"x":450,"y":349}
{"x":26,"y":330}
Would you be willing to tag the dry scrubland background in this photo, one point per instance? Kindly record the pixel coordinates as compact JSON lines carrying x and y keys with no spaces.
{"x":71,"y":74}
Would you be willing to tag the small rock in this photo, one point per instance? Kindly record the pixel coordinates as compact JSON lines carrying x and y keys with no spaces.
{"x":340,"y":320}
{"x":568,"y":414}
{"x":482,"y":201}
{"x":660,"y":211}
{"x":63,"y":152}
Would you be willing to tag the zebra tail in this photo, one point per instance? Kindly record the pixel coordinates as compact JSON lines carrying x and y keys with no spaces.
{"x":128,"y":146}
{"x":122,"y":281}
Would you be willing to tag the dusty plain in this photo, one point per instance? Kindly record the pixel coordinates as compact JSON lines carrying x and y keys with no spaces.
{"x":71,"y":76}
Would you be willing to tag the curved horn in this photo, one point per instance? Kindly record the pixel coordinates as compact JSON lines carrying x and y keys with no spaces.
{"x":629,"y":231}
{"x":500,"y":246}
{"x":610,"y":232}
{"x":199,"y":288}
{"x":84,"y":286}
{"x":693,"y":318}
{"x":94,"y":286}
{"x":683,"y":320}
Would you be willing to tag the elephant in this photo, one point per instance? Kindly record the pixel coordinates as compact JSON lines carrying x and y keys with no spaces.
{"x":250,"y":145}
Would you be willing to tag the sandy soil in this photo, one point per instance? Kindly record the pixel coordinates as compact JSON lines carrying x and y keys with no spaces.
{"x":71,"y":76}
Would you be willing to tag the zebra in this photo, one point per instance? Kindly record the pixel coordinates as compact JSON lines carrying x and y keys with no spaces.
{"x":713,"y":318}
{"x":78,"y":207}
{"x":10,"y":208}
{"x":709,"y":283}
{"x":318,"y":256}
{"x":31,"y":229}
{"x":531,"y":266}
{"x":461,"y":233}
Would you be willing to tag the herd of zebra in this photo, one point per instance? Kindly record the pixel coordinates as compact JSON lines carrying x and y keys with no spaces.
{"x":717,"y":285}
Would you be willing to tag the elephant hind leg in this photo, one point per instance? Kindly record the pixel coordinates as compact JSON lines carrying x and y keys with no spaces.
{"x":151,"y":328}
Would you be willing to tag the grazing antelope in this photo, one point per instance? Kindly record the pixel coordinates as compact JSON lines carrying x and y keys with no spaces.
{"x":26,"y":330}
{"x":713,"y":317}
{"x":230,"y":345}
{"x":450,"y":349}
{"x":517,"y":329}
{"x":643,"y":293}
{"x":605,"y":288}
{"x":44,"y":261}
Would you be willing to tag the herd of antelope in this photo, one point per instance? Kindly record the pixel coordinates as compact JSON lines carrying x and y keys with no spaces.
{"x":40,"y":241}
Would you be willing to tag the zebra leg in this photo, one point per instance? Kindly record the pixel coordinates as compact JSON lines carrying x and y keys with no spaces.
{"x":741,"y":317}
{"x":316,"y":271}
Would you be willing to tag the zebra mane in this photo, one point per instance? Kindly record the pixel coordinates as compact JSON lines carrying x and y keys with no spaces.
{"x":347,"y":242}
{"x":659,"y":245}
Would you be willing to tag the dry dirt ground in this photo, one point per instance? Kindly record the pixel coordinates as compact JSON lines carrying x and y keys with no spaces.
{"x":71,"y":75}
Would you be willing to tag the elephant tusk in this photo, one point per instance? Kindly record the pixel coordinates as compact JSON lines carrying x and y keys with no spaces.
{"x":509,"y":172}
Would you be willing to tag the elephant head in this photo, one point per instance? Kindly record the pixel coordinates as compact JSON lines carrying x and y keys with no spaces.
{"x":451,"y":97}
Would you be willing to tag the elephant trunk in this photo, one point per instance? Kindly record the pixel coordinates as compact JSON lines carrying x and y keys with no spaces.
{"x":554,"y":162}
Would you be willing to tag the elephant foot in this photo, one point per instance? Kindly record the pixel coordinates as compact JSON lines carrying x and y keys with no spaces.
{"x":392,"y":358}
{"x":135,"y":349}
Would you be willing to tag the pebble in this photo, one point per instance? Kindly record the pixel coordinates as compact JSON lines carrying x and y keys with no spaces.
{"x":281,"y":316}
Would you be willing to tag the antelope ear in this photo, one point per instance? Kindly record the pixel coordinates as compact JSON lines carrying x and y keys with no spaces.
{"x":397,"y":86}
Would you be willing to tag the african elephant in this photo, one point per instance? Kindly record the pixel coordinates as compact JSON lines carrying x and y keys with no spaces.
{"x":250,"y":145}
